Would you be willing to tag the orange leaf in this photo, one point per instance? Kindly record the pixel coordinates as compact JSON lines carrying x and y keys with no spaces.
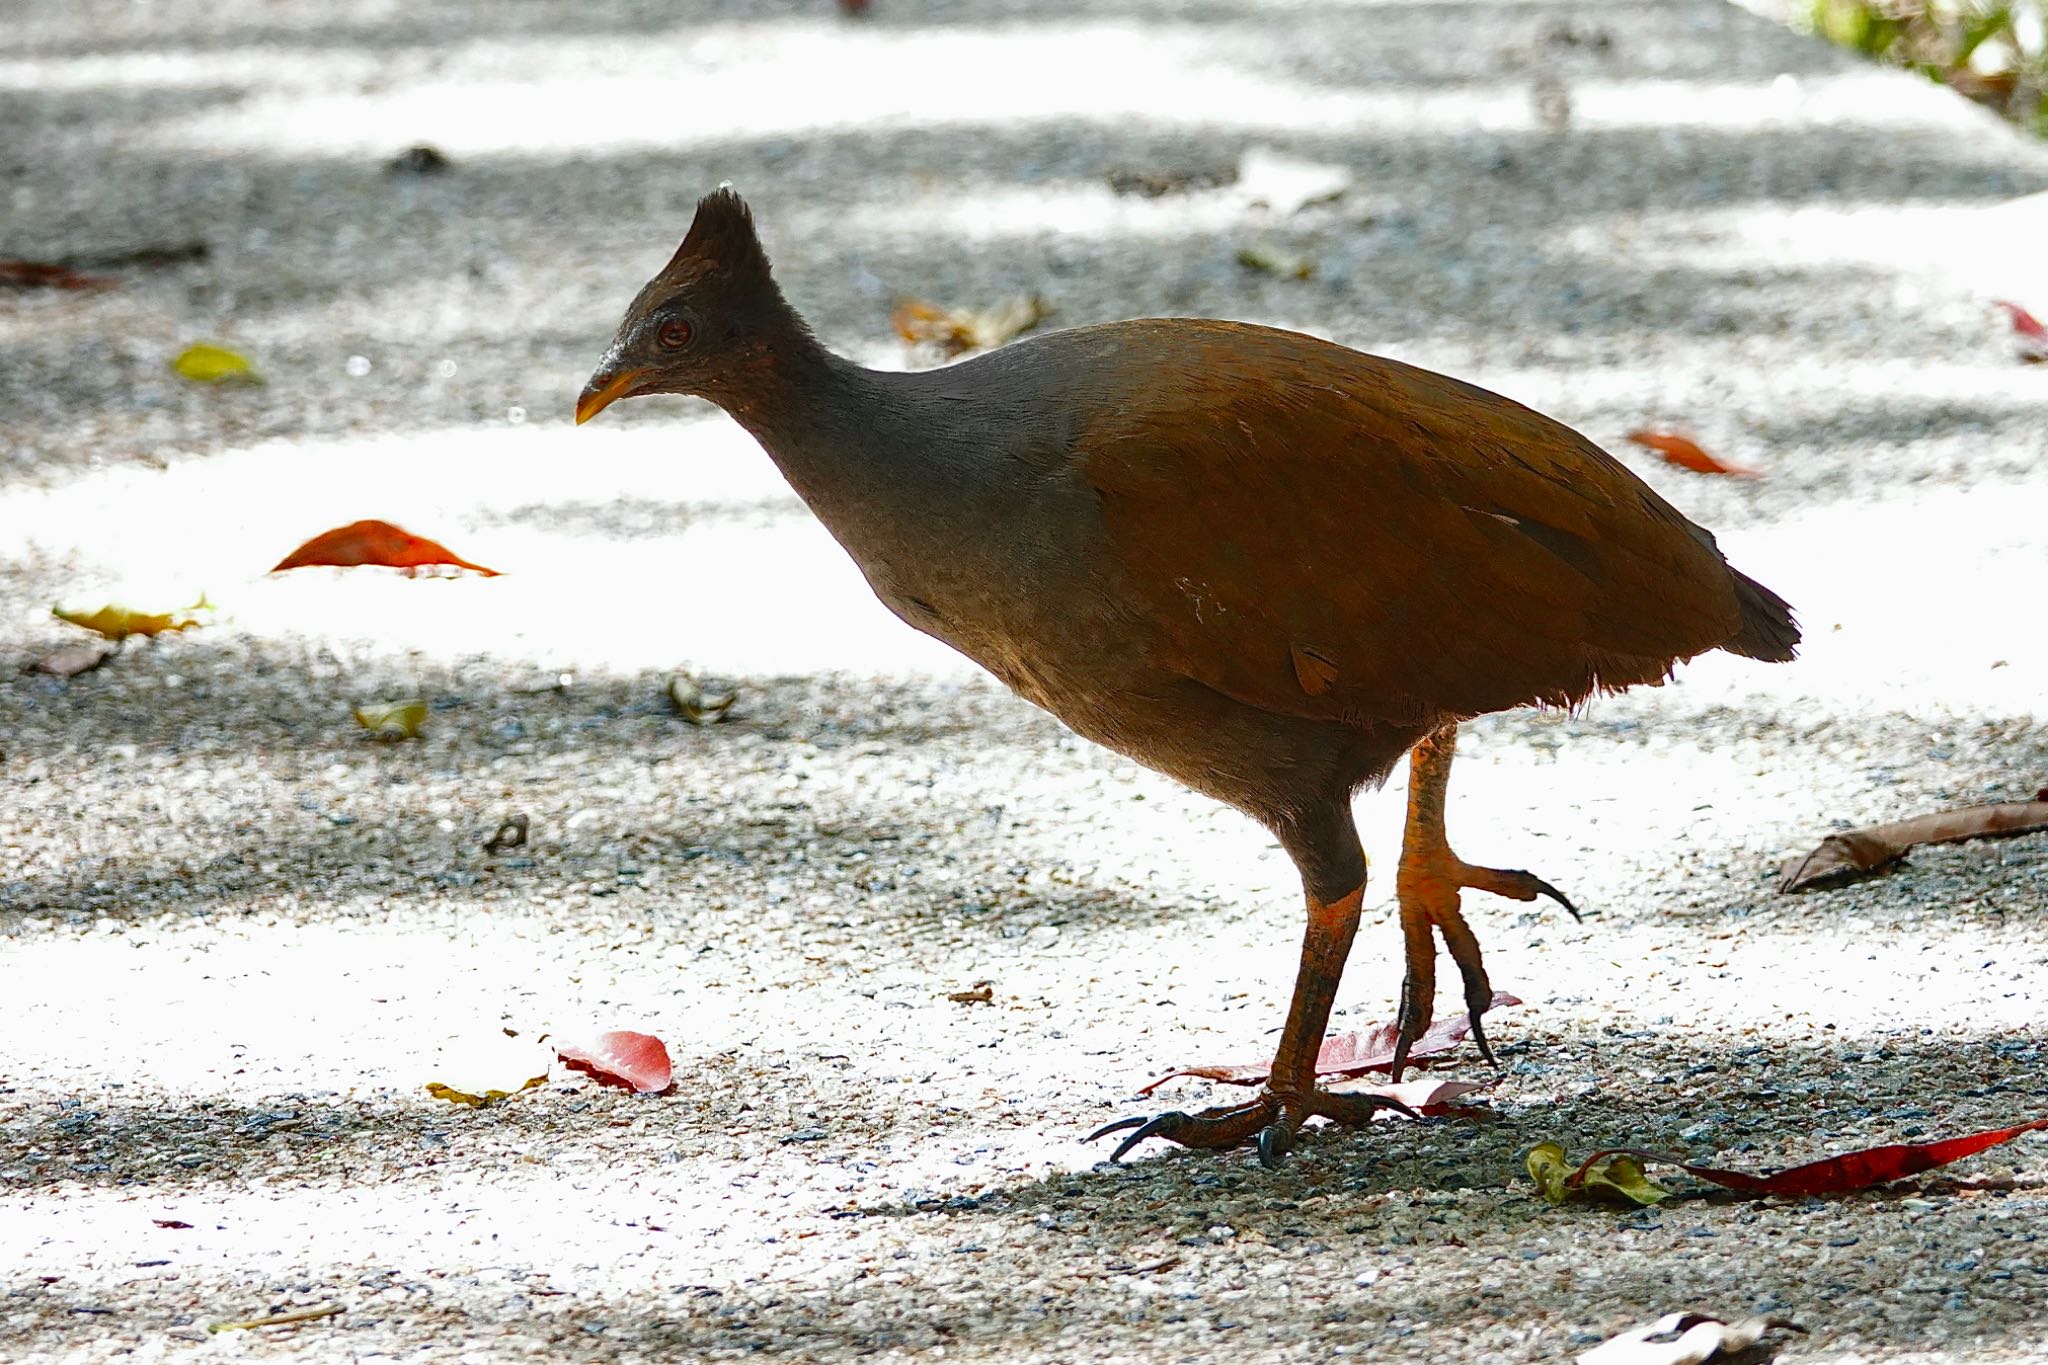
{"x":376,"y":542}
{"x":634,"y":1061}
{"x":1844,"y":1174}
{"x":1686,"y":454}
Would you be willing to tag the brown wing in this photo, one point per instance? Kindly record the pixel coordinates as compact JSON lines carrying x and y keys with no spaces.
{"x":1329,"y":534}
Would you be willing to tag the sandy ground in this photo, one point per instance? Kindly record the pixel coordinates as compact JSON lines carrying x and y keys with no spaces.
{"x":240,"y":937}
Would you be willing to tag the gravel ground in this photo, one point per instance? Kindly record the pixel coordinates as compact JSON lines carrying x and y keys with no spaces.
{"x":239,"y":936}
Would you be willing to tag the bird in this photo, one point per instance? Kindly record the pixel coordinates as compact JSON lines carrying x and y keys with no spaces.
{"x":1259,"y":562}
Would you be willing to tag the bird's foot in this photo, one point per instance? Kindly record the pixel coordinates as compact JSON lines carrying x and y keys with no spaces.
{"x":1428,"y":890}
{"x":1272,"y":1119}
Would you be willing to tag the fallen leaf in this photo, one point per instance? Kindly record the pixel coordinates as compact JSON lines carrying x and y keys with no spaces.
{"x":1349,"y":1054}
{"x":1684,"y":1339}
{"x":326,"y":1310}
{"x":1686,"y":454}
{"x":1844,"y":1174}
{"x":636,"y":1061}
{"x":1155,"y":184}
{"x":1611,"y":1177}
{"x":694,"y":704}
{"x":420,"y":159}
{"x":1429,"y":1098}
{"x":477,"y":1099}
{"x":48,"y":275}
{"x":117,"y":622}
{"x":394,"y":719}
{"x":982,"y":993}
{"x":2032,"y":335}
{"x":954,"y":332}
{"x":1271,"y":261}
{"x":484,"y":1068}
{"x":511,"y":833}
{"x":378,"y":543}
{"x":170,"y":1222}
{"x":71,"y":660}
{"x":205,"y":364}
{"x":1858,"y":853}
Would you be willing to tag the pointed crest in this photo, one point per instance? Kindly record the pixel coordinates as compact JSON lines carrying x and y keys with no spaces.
{"x":721,"y":240}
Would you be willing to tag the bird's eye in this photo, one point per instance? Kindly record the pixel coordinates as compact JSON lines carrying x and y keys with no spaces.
{"x":673,"y":334}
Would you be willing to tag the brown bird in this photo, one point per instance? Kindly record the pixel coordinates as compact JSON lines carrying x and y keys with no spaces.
{"x":1262,"y":564}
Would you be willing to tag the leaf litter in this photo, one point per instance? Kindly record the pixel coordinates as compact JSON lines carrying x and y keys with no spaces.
{"x":1849,"y":1173}
{"x":1855,"y":854}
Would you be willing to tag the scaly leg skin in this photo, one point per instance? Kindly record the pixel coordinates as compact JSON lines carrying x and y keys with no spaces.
{"x":1427,"y":885}
{"x":1290,"y":1097}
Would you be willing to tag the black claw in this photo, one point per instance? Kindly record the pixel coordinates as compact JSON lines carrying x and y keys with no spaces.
{"x":1479,"y":1037}
{"x":1276,"y":1140}
{"x":1106,"y":1129}
{"x":1146,"y":1128}
{"x":1546,"y":889}
{"x":1400,"y":1059}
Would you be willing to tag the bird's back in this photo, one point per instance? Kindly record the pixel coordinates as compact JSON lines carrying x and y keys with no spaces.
{"x":1330,"y":534}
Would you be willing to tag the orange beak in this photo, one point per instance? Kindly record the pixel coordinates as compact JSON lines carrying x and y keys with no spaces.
{"x":602,"y":391}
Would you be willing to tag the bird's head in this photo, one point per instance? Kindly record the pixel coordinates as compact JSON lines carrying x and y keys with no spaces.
{"x":708,"y":324}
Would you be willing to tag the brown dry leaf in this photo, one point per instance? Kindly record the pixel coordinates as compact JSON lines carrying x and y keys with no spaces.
{"x":1684,"y":452}
{"x":1684,"y":1339}
{"x":982,"y":993}
{"x":955,"y":332}
{"x":48,"y":275}
{"x":1858,"y":853}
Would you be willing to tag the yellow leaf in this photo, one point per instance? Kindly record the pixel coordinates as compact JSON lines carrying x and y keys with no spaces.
{"x":1615,"y":1179}
{"x":477,"y":1099}
{"x":1620,"y":1179}
{"x":396,"y":719}
{"x":117,"y":622}
{"x":694,"y":704}
{"x":1549,"y":1169}
{"x":204,"y":364}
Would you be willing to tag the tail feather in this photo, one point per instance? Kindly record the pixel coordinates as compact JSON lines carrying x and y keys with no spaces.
{"x":1768,"y":630}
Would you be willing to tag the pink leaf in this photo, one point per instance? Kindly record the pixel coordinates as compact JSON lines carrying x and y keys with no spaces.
{"x":1348,"y":1054}
{"x":634,"y":1061}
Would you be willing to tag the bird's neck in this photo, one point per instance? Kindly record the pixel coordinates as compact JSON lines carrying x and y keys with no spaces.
{"x":850,"y":440}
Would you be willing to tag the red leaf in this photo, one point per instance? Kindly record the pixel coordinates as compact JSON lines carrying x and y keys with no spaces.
{"x":1842,"y":1174}
{"x":1686,"y":454}
{"x":2033,"y":336}
{"x":1348,"y":1054}
{"x":376,"y":542}
{"x":170,"y":1222}
{"x":634,"y":1061}
{"x":2023,"y":322}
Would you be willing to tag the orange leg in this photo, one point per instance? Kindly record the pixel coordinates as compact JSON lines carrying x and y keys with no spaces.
{"x":1427,"y":885}
{"x":1290,"y":1097}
